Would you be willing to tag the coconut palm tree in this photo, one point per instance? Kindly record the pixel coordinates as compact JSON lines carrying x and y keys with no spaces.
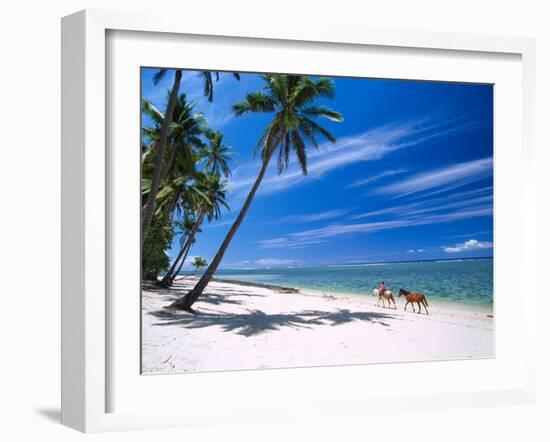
{"x":199,"y":263}
{"x":291,"y":101}
{"x":174,"y":202}
{"x":150,"y":205}
{"x":217,"y":155}
{"x":185,"y":140}
{"x":213,"y":191}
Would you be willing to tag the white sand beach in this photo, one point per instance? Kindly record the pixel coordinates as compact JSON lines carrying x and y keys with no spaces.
{"x":246,"y":326}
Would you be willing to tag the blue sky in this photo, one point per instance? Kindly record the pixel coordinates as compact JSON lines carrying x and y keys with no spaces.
{"x":410,"y":176}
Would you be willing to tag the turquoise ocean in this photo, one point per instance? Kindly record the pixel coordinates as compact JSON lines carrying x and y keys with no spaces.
{"x":468,"y":281}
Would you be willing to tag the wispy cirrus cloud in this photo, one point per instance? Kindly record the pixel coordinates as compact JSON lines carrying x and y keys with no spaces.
{"x":276,"y":262}
{"x":370,"y":145}
{"x":474,"y":198}
{"x":373,"y":178}
{"x":288,"y":243}
{"x":447,"y":178}
{"x":263,"y":263}
{"x":346,"y":230}
{"x":313,"y":217}
{"x":472,"y":244}
{"x":470,"y":235}
{"x":219,"y":224}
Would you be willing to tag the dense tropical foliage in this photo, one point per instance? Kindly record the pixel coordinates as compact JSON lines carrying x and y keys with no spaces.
{"x":190,"y":186}
{"x":161,"y":142}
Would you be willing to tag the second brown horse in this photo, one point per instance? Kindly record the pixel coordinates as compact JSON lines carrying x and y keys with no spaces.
{"x":411,"y":297}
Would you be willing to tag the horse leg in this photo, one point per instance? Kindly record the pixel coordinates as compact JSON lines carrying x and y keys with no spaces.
{"x":394,"y":306}
{"x":425,"y":308}
{"x":406,"y":303}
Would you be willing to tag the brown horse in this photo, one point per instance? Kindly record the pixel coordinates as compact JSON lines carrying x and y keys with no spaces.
{"x":411,"y":297}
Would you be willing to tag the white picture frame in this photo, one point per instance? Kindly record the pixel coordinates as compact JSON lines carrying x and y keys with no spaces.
{"x":85,"y":201}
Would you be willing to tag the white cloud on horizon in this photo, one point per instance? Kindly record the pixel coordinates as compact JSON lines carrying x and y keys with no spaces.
{"x":471,"y":244}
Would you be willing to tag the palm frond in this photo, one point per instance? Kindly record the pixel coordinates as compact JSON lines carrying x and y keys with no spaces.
{"x":308,"y":133}
{"x":300,"y":150}
{"x":254,"y":102}
{"x":323,"y":111}
{"x":159,"y":75}
{"x":318,"y":129}
{"x":149,"y":109}
{"x":308,"y":90}
{"x":325,"y":87}
{"x":208,"y":86}
{"x":283,"y":157}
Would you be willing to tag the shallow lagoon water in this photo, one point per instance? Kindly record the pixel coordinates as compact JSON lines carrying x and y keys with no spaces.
{"x":468,"y":281}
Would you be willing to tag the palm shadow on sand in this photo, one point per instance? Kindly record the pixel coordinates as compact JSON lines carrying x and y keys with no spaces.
{"x":255,"y":322}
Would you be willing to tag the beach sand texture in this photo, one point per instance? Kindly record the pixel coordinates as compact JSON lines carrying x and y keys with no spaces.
{"x":249,"y":327}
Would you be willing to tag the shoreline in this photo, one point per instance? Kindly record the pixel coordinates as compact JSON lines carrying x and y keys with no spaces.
{"x":462,"y":306}
{"x":249,"y":326}
{"x":278,"y":288}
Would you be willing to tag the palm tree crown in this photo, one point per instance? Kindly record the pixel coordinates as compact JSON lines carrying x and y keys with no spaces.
{"x":217,"y":155}
{"x":291,"y":98}
{"x":185,"y":138}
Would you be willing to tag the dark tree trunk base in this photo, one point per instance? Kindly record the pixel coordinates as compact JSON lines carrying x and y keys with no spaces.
{"x":186,"y":302}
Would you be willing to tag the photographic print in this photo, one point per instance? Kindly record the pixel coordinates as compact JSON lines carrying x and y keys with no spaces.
{"x":303,"y":220}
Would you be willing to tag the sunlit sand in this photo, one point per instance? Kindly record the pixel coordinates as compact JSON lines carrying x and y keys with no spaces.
{"x":248,"y":326}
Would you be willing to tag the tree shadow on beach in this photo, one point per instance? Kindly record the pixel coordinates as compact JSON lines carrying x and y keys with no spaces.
{"x":255,"y":321}
{"x":220,"y":296}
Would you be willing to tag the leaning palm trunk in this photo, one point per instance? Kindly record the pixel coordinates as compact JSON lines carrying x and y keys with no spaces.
{"x":190,"y":298}
{"x":169,"y":277}
{"x":151,"y":203}
{"x":176,"y":273}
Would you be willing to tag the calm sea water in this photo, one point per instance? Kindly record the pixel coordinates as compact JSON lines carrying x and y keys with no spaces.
{"x":460,"y":281}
